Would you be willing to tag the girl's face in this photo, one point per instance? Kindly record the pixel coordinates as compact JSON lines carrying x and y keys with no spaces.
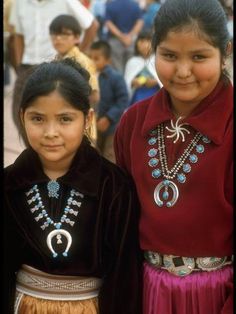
{"x":54,"y":129}
{"x":144,"y":47}
{"x":188,"y":66}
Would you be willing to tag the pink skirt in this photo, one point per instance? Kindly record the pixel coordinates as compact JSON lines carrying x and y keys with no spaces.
{"x":197,"y":293}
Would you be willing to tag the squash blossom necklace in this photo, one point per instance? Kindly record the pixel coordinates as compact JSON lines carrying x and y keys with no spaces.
{"x":167,"y":192}
{"x":35,"y":200}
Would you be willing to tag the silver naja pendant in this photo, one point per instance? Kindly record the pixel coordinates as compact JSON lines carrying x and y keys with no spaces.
{"x":58,"y":233}
{"x":162,"y":189}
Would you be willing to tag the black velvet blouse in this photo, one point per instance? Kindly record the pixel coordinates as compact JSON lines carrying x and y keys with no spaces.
{"x":104,"y":235}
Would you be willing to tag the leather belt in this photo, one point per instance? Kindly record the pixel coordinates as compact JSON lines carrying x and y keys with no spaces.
{"x":39,"y":284}
{"x":182,"y":266}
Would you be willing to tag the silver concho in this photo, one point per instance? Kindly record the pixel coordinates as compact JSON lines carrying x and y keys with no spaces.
{"x":166,"y":184}
{"x":210,"y":263}
{"x":153,"y":258}
{"x":58,"y":233}
{"x":185,"y":268}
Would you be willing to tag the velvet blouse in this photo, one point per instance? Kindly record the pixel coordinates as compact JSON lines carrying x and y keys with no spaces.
{"x":104,"y":236}
{"x":200,"y":223}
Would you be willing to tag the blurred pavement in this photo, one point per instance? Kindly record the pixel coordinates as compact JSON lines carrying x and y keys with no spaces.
{"x":13,"y":145}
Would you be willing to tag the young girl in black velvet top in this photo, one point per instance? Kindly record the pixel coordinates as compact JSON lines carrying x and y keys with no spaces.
{"x":71,"y":243}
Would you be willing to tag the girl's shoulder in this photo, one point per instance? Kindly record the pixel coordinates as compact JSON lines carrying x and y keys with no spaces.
{"x":117,"y":176}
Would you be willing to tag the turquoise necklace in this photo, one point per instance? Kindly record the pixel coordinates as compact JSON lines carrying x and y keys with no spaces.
{"x":166,"y":192}
{"x":38,"y":208}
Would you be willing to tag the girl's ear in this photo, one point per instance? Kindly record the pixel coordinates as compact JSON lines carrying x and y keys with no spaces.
{"x":229,"y":49}
{"x":89,"y":119}
{"x":22,"y":117}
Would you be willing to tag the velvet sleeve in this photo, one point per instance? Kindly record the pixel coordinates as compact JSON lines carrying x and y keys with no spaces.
{"x":13,"y":246}
{"x":122,"y":142}
{"x":121,"y":291}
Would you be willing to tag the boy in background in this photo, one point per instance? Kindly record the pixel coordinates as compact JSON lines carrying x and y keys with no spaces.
{"x":65,"y":34}
{"x":114,"y":97}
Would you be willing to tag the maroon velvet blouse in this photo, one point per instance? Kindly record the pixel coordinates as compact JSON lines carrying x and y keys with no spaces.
{"x":200,"y":223}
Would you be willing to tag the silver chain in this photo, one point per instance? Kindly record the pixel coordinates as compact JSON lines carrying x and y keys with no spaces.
{"x":170,"y":174}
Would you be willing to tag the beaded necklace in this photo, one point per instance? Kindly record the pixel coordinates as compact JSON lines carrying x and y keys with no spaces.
{"x":38,"y":206}
{"x":167,"y":187}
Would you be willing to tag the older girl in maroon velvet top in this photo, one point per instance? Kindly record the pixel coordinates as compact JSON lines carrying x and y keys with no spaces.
{"x":177,"y":145}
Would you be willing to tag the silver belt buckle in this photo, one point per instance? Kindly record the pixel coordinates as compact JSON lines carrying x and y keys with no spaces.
{"x":154,"y":258}
{"x":180,"y":266}
{"x":211,"y":263}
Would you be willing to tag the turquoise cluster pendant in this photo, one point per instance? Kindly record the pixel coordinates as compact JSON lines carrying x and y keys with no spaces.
{"x":53,"y":188}
{"x":166,"y":192}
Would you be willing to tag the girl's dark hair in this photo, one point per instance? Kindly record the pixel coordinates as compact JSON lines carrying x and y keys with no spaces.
{"x":66,"y":76}
{"x":62,"y":22}
{"x":206,"y":17}
{"x":142,"y":35}
{"x":103,"y":46}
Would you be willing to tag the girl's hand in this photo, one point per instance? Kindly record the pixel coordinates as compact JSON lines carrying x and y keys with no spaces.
{"x":103,"y":124}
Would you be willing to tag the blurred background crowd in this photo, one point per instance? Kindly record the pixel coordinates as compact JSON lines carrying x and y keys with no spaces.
{"x":110,"y":38}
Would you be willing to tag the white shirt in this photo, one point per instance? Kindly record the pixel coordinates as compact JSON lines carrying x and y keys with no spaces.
{"x":31,"y":18}
{"x":134,"y":65}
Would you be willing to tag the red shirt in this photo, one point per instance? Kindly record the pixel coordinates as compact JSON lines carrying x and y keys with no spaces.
{"x":200,"y":222}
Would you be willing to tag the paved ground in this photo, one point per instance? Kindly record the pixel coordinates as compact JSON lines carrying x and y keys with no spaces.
{"x":13,"y":145}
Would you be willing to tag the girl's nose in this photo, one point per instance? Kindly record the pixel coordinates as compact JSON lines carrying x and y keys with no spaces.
{"x":51,"y":130}
{"x":183,"y":69}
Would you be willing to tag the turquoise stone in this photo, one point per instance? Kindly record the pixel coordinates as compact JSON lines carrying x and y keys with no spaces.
{"x":200,"y":148}
{"x":193,"y":158}
{"x":152,"y":141}
{"x":156,"y":173}
{"x":165,"y":195}
{"x":166,"y":182}
{"x":181,"y":177}
{"x":186,"y":168}
{"x":153,"y":162}
{"x":58,"y":225}
{"x":153,"y":132}
{"x":152,"y":152}
{"x":182,"y":272}
{"x":205,"y":139}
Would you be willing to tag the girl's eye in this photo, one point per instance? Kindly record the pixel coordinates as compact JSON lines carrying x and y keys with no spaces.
{"x":65,"y":119}
{"x":169,"y":56}
{"x":37,"y":119}
{"x":198,"y":57}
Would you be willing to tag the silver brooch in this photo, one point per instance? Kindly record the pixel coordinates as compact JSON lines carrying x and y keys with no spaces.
{"x":177,"y":130}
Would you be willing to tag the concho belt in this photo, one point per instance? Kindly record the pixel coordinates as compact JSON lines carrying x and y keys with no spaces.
{"x":182,"y":266}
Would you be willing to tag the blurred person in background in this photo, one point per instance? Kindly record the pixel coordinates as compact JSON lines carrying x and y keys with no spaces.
{"x":7,"y":42}
{"x":98,"y":8}
{"x":152,"y":6}
{"x":114,"y":97}
{"x":124,"y":22}
{"x":32,"y":44}
{"x":65,"y":34}
{"x":140,"y":74}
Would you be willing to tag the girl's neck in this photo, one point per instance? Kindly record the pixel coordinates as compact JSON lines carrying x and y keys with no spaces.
{"x":56,"y":170}
{"x":183,"y":110}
